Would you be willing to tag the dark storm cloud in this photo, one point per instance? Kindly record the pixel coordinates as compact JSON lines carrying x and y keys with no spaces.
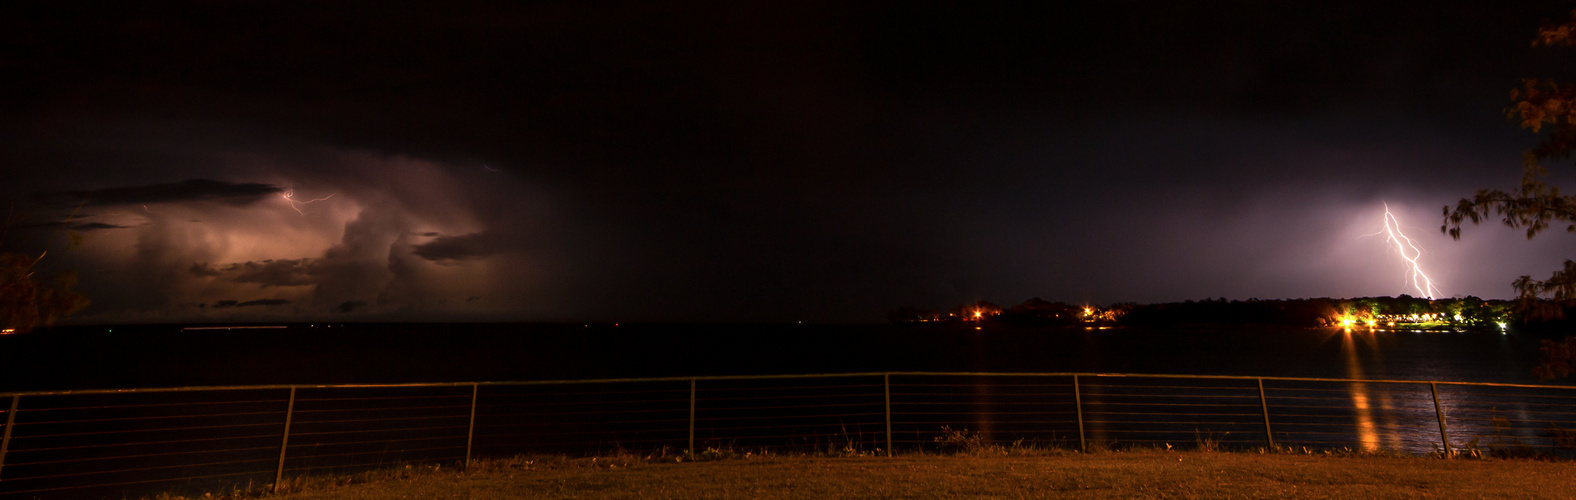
{"x":96,"y":226}
{"x":281,"y":272}
{"x":461,"y":247}
{"x":73,"y":225}
{"x":263,"y":302}
{"x":350,"y":306}
{"x":202,"y":269}
{"x":185,"y":191}
{"x":743,"y":161}
{"x":250,"y":303}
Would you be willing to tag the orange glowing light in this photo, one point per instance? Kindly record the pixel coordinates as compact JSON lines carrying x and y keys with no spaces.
{"x":7,"y":331}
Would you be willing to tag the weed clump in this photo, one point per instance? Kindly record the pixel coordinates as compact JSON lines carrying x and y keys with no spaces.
{"x":965,"y":442}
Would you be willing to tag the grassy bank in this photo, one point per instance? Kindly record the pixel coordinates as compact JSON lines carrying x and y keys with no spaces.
{"x":1149,"y":474}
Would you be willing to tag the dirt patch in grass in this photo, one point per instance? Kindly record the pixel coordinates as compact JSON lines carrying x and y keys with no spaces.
{"x":1150,"y":474}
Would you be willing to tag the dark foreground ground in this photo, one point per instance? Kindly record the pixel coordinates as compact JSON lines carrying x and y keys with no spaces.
{"x":1140,"y":474}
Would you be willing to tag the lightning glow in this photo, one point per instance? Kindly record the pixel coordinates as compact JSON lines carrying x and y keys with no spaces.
{"x":289,"y":196}
{"x":1418,"y":279}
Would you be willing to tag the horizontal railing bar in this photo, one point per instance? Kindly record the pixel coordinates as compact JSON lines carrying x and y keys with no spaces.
{"x":392,"y":451}
{"x":1512,"y":420}
{"x":769,"y":377}
{"x":993,"y":394}
{"x":376,"y":430}
{"x":118,"y":419}
{"x":382,"y":409}
{"x":89,"y":459}
{"x":1471,"y":409}
{"x":787,"y":388}
{"x":806,"y":417}
{"x":577,"y":393}
{"x":386,"y":419}
{"x":564,"y":413}
{"x":977,"y":403}
{"x":1324,"y":433}
{"x":1177,"y":414}
{"x":127,"y":431}
{"x":992,"y":413}
{"x":592,"y":402}
{"x":140,"y":443}
{"x":994,"y":422}
{"x":1349,"y":406}
{"x":348,"y":443}
{"x":149,"y":405}
{"x":1089,"y":394}
{"x":977,"y":385}
{"x":372,"y":398}
{"x":1137,"y":431}
{"x":596,"y":423}
{"x":1346,"y":397}
{"x":1343,"y":416}
{"x":1209,"y":387}
{"x":1162,"y":422}
{"x":797,"y":396}
{"x":784,"y":407}
{"x":1183,"y":445}
{"x":122,"y":471}
{"x":1162,"y":404}
{"x":678,"y":432}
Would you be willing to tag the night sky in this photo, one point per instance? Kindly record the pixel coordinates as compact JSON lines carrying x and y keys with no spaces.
{"x":734,"y":161}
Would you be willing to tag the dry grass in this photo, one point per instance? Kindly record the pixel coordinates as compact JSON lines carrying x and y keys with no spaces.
{"x":1123,"y":474}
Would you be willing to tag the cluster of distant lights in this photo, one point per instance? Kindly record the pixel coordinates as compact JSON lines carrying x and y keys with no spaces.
{"x":1090,"y":315}
{"x":1348,"y":321}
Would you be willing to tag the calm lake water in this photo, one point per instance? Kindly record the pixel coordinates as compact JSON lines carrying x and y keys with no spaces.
{"x":149,"y":356}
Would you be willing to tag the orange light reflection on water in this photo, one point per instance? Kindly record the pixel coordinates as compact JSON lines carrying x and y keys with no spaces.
{"x":1368,"y":432}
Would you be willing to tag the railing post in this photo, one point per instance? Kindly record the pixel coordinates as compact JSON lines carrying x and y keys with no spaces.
{"x":886,"y":386}
{"x":1264,"y":404}
{"x":691,"y":449}
{"x":1078,"y":405}
{"x":470,"y":430}
{"x":1439,"y":411}
{"x":284,"y":442}
{"x":5,"y":436}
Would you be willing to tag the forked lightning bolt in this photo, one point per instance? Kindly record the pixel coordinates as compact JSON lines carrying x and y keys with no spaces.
{"x":1403,"y":244}
{"x":289,"y":196}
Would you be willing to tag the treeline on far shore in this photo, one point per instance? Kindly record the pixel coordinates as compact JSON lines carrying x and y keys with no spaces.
{"x":1398,"y":312}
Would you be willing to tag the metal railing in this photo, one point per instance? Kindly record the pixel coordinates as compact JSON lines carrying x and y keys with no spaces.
{"x":98,"y":443}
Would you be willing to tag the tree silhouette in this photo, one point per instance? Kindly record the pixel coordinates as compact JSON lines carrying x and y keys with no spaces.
{"x":1535,"y":205}
{"x":26,"y":301}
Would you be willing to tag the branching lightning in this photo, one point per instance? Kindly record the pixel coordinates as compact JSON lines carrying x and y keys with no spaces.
{"x":1419,"y":280}
{"x":289,"y":196}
